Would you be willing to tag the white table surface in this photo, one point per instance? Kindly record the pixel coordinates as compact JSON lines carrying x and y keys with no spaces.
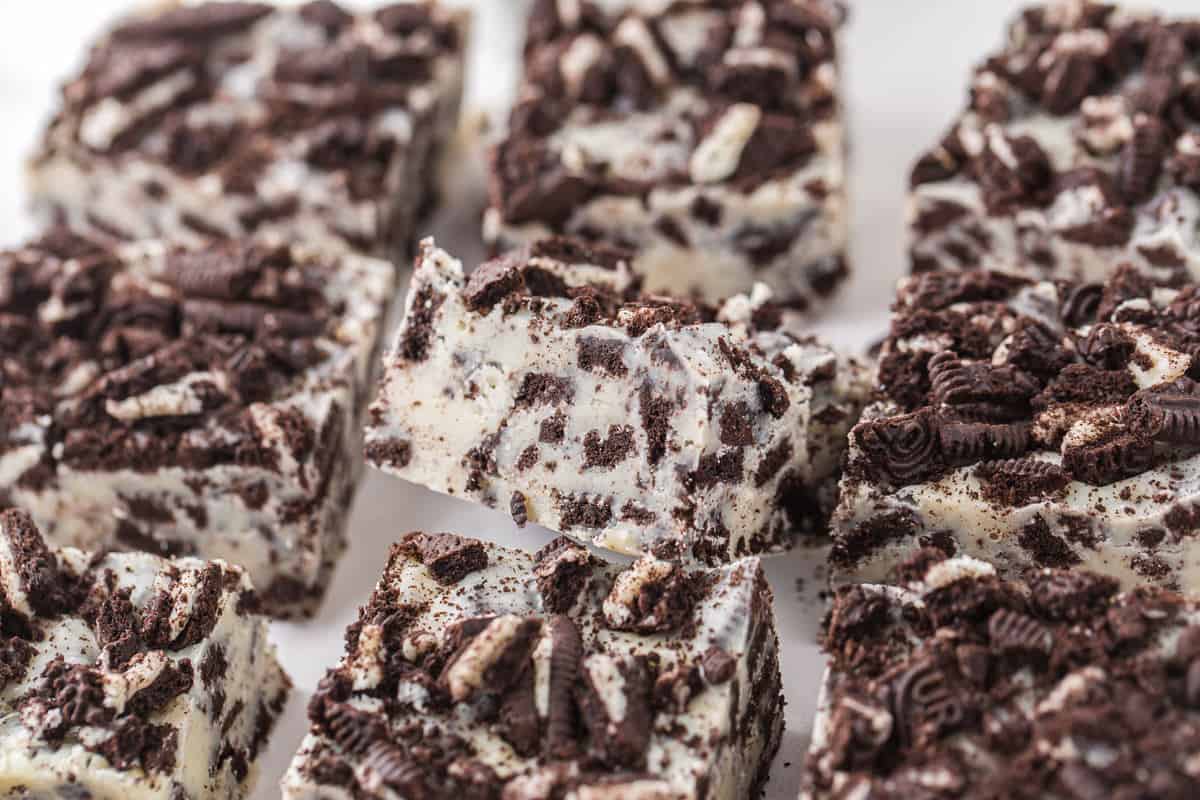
{"x":906,"y":65}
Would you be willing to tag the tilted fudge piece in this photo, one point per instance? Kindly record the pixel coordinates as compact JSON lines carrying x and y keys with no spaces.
{"x":202,"y":402}
{"x":708,"y":136}
{"x":480,"y":672}
{"x":222,"y":119}
{"x":546,"y":385}
{"x":961,"y":685}
{"x":1079,"y":152}
{"x":127,"y":675}
{"x":1032,"y":424}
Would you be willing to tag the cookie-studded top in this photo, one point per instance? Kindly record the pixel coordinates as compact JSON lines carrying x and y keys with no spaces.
{"x":494,"y":673}
{"x":621,"y":98}
{"x":1086,"y":120}
{"x":959,"y":684}
{"x":277,"y":110}
{"x":146,"y":356}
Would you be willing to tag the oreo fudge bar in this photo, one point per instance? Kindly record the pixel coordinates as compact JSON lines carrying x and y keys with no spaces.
{"x":129,"y":675}
{"x":201,"y":402}
{"x":1079,"y":152}
{"x":546,"y":385}
{"x":223,"y":119}
{"x":480,"y":672}
{"x":708,"y":136}
{"x":1032,"y":424}
{"x":959,"y":684}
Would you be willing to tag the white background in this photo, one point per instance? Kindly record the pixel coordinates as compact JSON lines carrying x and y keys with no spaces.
{"x":906,"y":66}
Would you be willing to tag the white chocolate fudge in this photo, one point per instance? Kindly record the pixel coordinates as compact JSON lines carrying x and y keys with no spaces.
{"x":1079,"y":152}
{"x":706,"y":136}
{"x":201,"y":120}
{"x":204,"y":401}
{"x":492,"y":674}
{"x":547,"y":386}
{"x":1032,"y":424}
{"x":957,"y":684}
{"x":126,"y":676}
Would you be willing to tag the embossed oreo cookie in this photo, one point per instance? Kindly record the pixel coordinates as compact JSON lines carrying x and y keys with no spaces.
{"x":955,"y":683}
{"x":1032,"y":424}
{"x":548,"y":675}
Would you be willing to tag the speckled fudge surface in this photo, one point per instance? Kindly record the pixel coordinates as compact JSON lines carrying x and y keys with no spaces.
{"x":1032,"y":424}
{"x":126,"y":675}
{"x":547,"y":386}
{"x":222,"y":119}
{"x":480,"y":672}
{"x":706,"y":135}
{"x":1080,"y":151}
{"x":957,"y":684}
{"x":190,"y":401}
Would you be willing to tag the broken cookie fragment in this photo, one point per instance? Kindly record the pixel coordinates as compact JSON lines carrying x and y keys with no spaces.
{"x":510,"y":682}
{"x":94,"y":704}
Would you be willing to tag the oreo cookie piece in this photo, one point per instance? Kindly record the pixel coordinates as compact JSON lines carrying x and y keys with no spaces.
{"x":548,"y":675}
{"x":933,"y":694}
{"x":1030,"y":424}
{"x":548,"y":385}
{"x":152,"y":667}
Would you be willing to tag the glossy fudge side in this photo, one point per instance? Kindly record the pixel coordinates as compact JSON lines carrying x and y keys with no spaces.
{"x":127,"y":675}
{"x":707,"y":137}
{"x":548,"y":387}
{"x":1031,"y":424}
{"x":955,"y":683}
{"x":203,"y":401}
{"x":224,"y":119}
{"x":476,"y":671}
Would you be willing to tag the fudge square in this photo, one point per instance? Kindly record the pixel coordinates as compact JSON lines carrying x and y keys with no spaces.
{"x":215,"y":120}
{"x":547,"y":386}
{"x":961,"y":685}
{"x":127,"y":675}
{"x":1079,"y":151}
{"x":190,"y":401}
{"x":1032,"y":424}
{"x":708,"y":136}
{"x":480,"y":672}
